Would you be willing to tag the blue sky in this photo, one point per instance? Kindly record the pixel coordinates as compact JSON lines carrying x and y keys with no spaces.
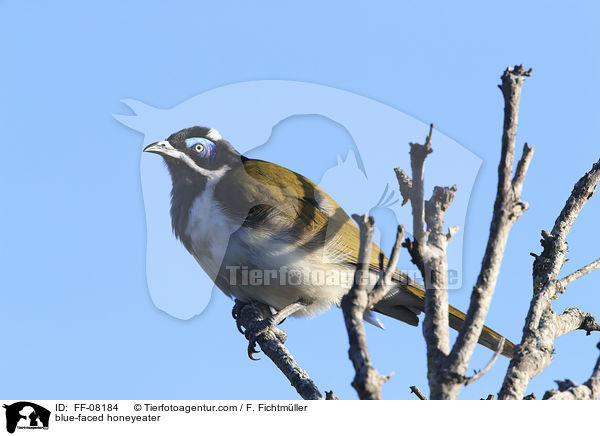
{"x":75,"y":307}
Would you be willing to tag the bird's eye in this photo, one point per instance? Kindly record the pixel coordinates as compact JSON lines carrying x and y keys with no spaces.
{"x":201,"y":147}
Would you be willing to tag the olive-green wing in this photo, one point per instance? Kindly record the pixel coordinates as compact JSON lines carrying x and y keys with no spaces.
{"x":290,"y":204}
{"x":284,"y":203}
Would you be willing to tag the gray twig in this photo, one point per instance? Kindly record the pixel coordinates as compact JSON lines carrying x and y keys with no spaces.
{"x":507,"y":209}
{"x":329,"y":395}
{"x":481,"y":373}
{"x":428,"y":252}
{"x":415,"y":390}
{"x":580,"y":273}
{"x":251,"y":317}
{"x":543,"y":325}
{"x":446,"y":368}
{"x":575,"y":319}
{"x":367,"y":381}
{"x":568,"y":390}
{"x":384,"y":283}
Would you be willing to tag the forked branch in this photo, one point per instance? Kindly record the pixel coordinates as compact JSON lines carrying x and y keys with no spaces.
{"x":543,"y":325}
{"x":507,"y":209}
{"x":367,"y":381}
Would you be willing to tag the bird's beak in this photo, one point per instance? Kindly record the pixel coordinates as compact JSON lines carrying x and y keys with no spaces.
{"x":163,"y":148}
{"x":160,"y":147}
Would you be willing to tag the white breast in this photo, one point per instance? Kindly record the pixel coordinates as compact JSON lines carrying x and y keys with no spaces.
{"x":259,"y":251}
{"x":209,"y":229}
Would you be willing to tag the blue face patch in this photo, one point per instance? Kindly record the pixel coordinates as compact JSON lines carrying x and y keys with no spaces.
{"x":205,"y":148}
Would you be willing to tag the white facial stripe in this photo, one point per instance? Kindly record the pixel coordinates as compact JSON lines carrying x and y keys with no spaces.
{"x":169,"y":150}
{"x":210,"y":174}
{"x":213,"y":135}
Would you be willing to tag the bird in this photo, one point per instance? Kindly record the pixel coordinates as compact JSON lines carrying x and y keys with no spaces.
{"x":266,"y":234}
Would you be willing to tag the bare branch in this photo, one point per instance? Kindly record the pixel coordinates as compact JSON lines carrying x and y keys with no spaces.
{"x":522,"y":166}
{"x":418,"y":153}
{"x":582,"y":192}
{"x":542,"y":325}
{"x":415,"y":390}
{"x":574,"y":319}
{"x":428,"y":252}
{"x":512,"y":82}
{"x":594,"y":381}
{"x":451,"y":232}
{"x":568,"y":390}
{"x":329,"y":395}
{"x":251,"y":316}
{"x":367,"y":381}
{"x":507,"y":208}
{"x":383,"y":284}
{"x":435,"y":211}
{"x":548,"y":264}
{"x":394,"y":255}
{"x":580,"y":273}
{"x":405,"y":183}
{"x":481,"y":373}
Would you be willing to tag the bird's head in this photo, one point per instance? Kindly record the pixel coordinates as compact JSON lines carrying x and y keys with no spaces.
{"x":195,"y":151}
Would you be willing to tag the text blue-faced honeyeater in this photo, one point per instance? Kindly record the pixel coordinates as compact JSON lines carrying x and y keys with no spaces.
{"x":238,"y":216}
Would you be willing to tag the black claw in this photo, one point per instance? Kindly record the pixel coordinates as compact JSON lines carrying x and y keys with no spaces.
{"x":252,"y":351}
{"x":255,"y":330}
{"x":240,"y":327}
{"x":252,"y":335}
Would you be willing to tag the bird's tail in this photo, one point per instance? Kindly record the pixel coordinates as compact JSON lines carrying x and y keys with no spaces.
{"x":488,"y":338}
{"x":404,"y":304}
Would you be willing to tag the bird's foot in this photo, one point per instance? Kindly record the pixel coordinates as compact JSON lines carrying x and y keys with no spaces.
{"x":289,"y":310}
{"x":236,"y":313}
{"x":257,"y":330}
{"x":258,"y":323}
